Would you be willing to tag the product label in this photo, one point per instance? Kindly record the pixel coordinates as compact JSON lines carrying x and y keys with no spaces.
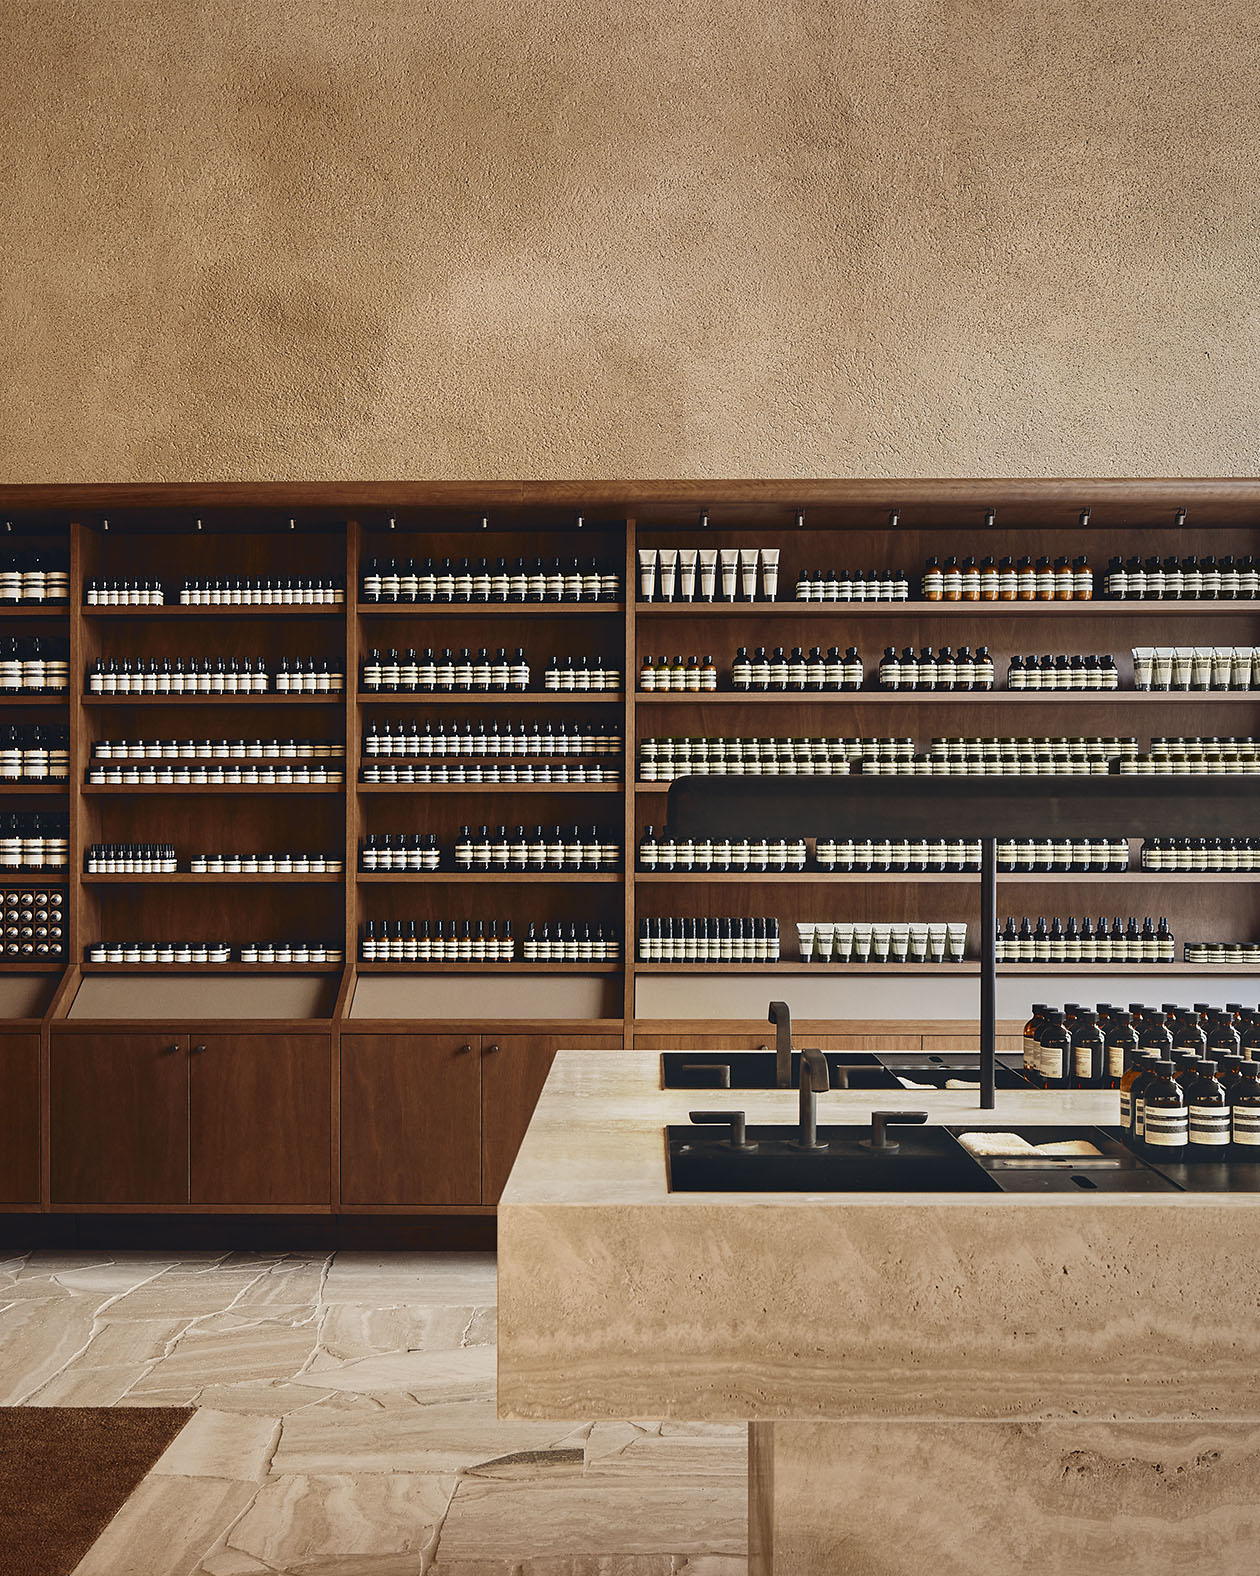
{"x":1126,"y":1108}
{"x":1246,"y":1125}
{"x":1081,"y":1061}
{"x":1209,"y":1125}
{"x":1166,"y":1126}
{"x":1115,"y":1061}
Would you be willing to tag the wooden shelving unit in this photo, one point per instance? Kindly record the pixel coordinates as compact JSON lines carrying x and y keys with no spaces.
{"x":454,"y":1053}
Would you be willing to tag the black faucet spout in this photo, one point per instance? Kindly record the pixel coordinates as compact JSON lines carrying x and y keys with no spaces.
{"x":814,"y":1081}
{"x":781,"y":1016}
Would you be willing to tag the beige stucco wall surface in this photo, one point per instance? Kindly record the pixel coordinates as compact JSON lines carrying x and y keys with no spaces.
{"x":537,"y":238}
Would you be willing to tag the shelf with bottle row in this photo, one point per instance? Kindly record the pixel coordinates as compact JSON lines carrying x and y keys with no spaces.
{"x":421,"y":970}
{"x":943,"y":877}
{"x":491,"y":697}
{"x":50,"y":698}
{"x":590,"y":609}
{"x":44,"y":610}
{"x":266,"y":698}
{"x":492,"y":877}
{"x":187,"y":878}
{"x":969,"y":966}
{"x":209,"y":968}
{"x":504,"y":788}
{"x":1098,"y":607}
{"x":177,"y":610}
{"x":129,"y":789}
{"x":1039,"y":698}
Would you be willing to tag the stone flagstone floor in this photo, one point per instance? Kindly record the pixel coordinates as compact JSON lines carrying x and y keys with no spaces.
{"x":345,"y":1425}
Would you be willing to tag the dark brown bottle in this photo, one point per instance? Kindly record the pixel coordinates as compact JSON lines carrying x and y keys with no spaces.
{"x":1056,"y":1052}
{"x":1154,"y":1035}
{"x":1165,"y":1116}
{"x":1244,"y":1103}
{"x":1088,"y":1053}
{"x":1209,"y":1114}
{"x":1131,"y":1087}
{"x":1222,"y":1037}
{"x":1121,"y":1044}
{"x":1187,"y":1033}
{"x":1031,"y":1030}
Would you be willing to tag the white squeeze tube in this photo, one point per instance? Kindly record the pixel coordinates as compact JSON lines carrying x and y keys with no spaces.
{"x":708,"y":573}
{"x":730,"y":568}
{"x":770,"y":572}
{"x":647,"y":573}
{"x":748,"y":567}
{"x":669,"y":571}
{"x":687,"y":573}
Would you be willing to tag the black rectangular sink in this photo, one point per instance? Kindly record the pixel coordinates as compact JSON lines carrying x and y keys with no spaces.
{"x":927,"y":1160}
{"x":967,"y":1072}
{"x":756,"y":1070}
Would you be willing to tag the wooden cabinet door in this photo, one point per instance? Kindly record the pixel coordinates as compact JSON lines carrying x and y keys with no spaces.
{"x":119,"y":1118}
{"x":514,"y":1068}
{"x":260,"y":1118}
{"x":19,"y":1119}
{"x":410,"y":1119}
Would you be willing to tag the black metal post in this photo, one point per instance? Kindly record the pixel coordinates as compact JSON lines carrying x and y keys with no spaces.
{"x":988,"y":972}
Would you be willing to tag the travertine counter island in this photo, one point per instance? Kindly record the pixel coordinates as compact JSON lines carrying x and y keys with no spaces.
{"x":945,"y":1382}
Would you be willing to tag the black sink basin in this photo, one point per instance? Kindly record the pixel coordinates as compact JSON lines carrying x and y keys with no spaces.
{"x":756,"y":1070}
{"x":928,"y":1160}
{"x":702,"y":1159}
{"x":966,"y":1072}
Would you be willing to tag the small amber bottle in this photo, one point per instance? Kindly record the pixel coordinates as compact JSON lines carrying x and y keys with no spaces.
{"x":1055,"y":1053}
{"x":1139,"y":1070}
{"x":1088,"y":1054}
{"x":1244,"y":1101}
{"x":1121,"y":1042}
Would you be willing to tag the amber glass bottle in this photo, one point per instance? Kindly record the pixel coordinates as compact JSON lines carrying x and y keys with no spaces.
{"x":1088,"y":1053}
{"x":1244,"y":1103}
{"x":1209,"y":1109}
{"x":1165,"y":1116}
{"x":1139,"y":1070}
{"x":1121,"y":1042}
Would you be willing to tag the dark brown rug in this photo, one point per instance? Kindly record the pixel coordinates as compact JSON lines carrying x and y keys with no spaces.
{"x":66,"y":1471}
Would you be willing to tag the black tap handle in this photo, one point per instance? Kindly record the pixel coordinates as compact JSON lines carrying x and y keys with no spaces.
{"x":882,"y":1120}
{"x":732,"y":1119}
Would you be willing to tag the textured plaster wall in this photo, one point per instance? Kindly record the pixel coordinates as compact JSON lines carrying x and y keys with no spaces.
{"x":540,"y":238}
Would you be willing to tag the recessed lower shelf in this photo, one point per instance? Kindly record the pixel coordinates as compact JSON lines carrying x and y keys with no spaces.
{"x":130,"y":790}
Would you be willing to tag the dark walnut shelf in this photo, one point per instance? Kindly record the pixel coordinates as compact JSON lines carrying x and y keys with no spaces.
{"x":53,"y":698}
{"x":129,"y":789}
{"x":176,"y":611}
{"x":186,"y":878}
{"x":944,"y":877}
{"x":471,"y":788}
{"x":492,"y":697}
{"x":211,"y":968}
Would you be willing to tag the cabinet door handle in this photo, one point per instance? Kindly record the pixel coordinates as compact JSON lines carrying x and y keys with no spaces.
{"x":464,"y":1050}
{"x":198,"y":1050}
{"x":490,"y":1049}
{"x":172,"y":1050}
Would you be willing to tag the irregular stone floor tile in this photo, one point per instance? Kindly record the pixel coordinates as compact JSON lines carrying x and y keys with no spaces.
{"x":230,"y":1445}
{"x":300,"y":1521}
{"x":652,"y":1515}
{"x":465,"y":1374}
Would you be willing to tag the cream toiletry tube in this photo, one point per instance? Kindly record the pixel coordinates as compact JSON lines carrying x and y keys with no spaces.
{"x":647,"y":573}
{"x":770,"y":572}
{"x":708,"y":573}
{"x":669,"y":569}
{"x":687,"y":573}
{"x":748,"y":572}
{"x":730,"y":569}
